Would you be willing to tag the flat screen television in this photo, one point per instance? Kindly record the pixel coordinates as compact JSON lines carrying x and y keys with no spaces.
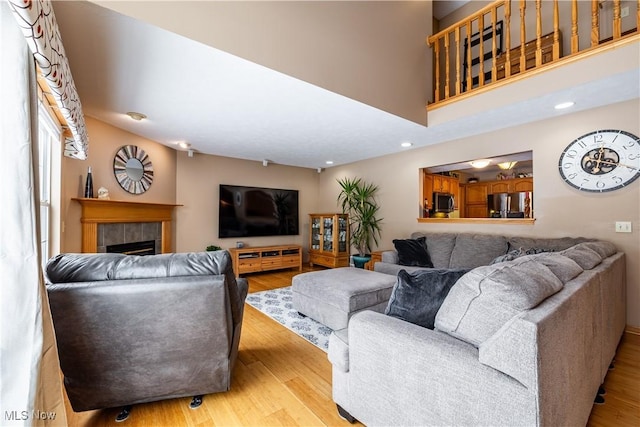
{"x":256,"y":211}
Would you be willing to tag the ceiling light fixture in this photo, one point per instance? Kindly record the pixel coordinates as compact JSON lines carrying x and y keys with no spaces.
{"x":406,"y":144}
{"x":480,"y":163}
{"x":329,"y":162}
{"x":564,"y":105}
{"x":136,"y":116}
{"x":507,"y":165}
{"x":184,"y":145}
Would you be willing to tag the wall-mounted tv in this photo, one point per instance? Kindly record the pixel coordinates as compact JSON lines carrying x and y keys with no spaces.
{"x":256,"y":211}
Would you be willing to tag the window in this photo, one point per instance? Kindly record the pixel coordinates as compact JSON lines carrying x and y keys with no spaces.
{"x":48,"y":139}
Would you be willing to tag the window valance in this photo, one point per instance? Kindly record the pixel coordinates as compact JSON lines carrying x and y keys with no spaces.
{"x":38,"y":24}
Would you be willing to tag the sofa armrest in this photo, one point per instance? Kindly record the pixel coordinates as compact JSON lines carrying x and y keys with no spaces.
{"x":393,"y":363}
{"x":390,"y":257}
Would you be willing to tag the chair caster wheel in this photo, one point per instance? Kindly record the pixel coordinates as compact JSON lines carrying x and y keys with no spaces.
{"x":196,"y":401}
{"x":124,"y":414}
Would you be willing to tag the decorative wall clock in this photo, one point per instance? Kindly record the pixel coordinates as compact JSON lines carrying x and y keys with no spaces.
{"x":603,"y":160}
{"x":133,"y":169}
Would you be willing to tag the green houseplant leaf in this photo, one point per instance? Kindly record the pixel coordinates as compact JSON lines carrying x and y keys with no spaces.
{"x":357,"y":198}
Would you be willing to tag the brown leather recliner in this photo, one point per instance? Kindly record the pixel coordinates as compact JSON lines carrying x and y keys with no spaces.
{"x":134,"y":329}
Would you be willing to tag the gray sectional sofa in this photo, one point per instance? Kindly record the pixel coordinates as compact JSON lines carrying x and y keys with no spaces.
{"x":521,"y":342}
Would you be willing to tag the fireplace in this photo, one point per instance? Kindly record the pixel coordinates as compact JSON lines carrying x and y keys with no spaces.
{"x":102,"y":218}
{"x":147,"y":247}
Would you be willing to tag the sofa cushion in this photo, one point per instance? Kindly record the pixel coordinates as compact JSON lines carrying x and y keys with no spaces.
{"x":474,"y":250}
{"x":416,"y":297}
{"x":487,"y":297}
{"x":549,"y":244}
{"x":413,"y":252}
{"x":602,"y":248}
{"x":564,"y":268}
{"x":517,"y":253}
{"x":440,"y":246}
{"x":586,"y":257}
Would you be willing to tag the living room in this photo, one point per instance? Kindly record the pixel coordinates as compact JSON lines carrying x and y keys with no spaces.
{"x":191,"y":181}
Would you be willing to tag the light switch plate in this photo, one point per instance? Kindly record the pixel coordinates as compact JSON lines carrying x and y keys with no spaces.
{"x":623,"y":226}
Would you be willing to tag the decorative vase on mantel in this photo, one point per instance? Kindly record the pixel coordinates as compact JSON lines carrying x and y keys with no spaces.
{"x":88,"y":186}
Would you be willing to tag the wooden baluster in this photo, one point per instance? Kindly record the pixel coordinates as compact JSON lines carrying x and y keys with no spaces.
{"x":447,"y":91}
{"x":595,"y":24}
{"x":538,"y":33}
{"x":481,"y":50}
{"x":617,"y":23}
{"x":574,"y":26}
{"x":523,"y":36}
{"x":556,"y":31}
{"x":436,"y":50}
{"x":507,"y":32}
{"x":457,"y":38}
{"x":469,"y":83}
{"x":494,"y":46}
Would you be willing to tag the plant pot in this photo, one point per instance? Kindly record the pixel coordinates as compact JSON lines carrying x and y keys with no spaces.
{"x":360,"y":260}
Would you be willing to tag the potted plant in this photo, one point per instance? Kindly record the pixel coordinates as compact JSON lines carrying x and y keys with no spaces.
{"x":213,"y":248}
{"x":357,"y":199}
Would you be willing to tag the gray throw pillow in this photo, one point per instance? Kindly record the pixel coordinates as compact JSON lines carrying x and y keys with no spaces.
{"x":417,"y":297}
{"x":413,"y":252}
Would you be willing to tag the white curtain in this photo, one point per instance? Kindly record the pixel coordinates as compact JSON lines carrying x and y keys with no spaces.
{"x":30,"y":386}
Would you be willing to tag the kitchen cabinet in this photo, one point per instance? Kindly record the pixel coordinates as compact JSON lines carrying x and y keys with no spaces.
{"x":476,"y":200}
{"x":499,"y":187}
{"x":522,"y":184}
{"x":329,"y":240}
{"x":511,"y":185}
{"x":435,"y":183}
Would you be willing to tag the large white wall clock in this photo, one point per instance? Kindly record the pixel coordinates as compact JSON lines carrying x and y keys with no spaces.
{"x":603,"y":160}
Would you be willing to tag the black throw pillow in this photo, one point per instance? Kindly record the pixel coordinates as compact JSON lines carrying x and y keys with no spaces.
{"x":417,"y":297}
{"x":413,"y":252}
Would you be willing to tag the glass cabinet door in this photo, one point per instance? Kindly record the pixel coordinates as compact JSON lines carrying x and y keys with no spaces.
{"x":315,"y":233}
{"x":342,"y":234}
{"x":327,"y":242}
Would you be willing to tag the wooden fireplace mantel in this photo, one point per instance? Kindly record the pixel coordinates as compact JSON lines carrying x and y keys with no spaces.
{"x":101,"y":211}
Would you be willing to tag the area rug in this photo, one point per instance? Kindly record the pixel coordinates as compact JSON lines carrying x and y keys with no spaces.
{"x":278,"y":305}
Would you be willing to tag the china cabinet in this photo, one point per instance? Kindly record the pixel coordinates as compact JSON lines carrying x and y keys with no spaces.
{"x":329,"y":240}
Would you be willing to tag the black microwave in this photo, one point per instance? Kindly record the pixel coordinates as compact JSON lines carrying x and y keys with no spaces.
{"x":442,"y":202}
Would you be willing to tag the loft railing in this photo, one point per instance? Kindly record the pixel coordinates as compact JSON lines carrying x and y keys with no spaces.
{"x":494,"y":44}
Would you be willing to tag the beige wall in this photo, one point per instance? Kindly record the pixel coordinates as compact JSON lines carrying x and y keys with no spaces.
{"x":198,"y":180}
{"x":105,"y":140}
{"x":560,"y":210}
{"x":371,"y":51}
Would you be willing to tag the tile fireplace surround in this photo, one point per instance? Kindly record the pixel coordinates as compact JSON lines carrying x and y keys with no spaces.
{"x":99,"y":211}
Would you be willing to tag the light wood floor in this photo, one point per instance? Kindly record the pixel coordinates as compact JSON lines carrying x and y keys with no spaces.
{"x":281,"y":379}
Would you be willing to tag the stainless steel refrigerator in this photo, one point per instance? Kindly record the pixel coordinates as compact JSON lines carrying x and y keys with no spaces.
{"x":511,"y":205}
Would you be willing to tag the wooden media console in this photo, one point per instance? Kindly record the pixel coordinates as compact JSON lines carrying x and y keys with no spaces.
{"x":265,"y":258}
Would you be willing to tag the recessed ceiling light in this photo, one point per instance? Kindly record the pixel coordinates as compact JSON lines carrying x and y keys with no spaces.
{"x":564,"y":105}
{"x":480,"y":163}
{"x":136,"y":116}
{"x":406,"y":144}
{"x":184,"y":144}
{"x":329,"y":162}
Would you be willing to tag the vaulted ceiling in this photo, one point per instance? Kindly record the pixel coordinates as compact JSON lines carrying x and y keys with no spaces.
{"x":295,"y":83}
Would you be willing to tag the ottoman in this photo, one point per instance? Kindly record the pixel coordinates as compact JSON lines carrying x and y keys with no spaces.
{"x":332,"y":296}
